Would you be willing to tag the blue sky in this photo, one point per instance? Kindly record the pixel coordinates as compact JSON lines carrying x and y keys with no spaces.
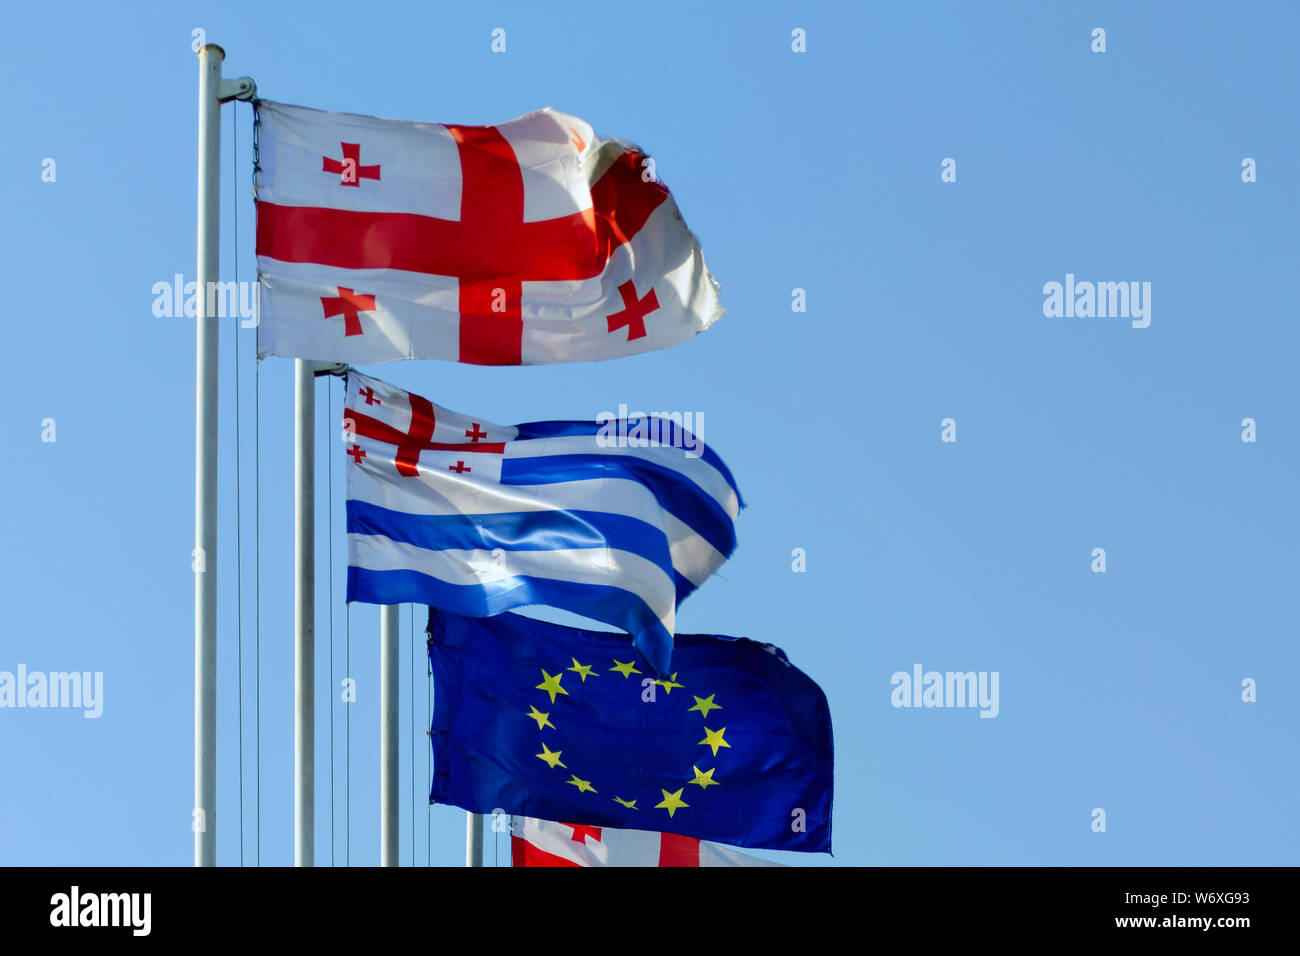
{"x":818,"y":170}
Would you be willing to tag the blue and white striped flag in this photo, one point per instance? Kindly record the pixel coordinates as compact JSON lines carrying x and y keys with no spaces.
{"x":617,"y":520}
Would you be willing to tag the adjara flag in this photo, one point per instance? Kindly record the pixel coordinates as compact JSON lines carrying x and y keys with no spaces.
{"x":526,"y":243}
{"x":542,"y":843}
{"x":456,"y":511}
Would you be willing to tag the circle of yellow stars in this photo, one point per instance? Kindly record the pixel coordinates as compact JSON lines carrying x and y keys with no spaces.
{"x":715,"y":740}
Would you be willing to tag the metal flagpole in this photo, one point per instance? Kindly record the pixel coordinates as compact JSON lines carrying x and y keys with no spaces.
{"x":473,"y":839}
{"x":389,"y":624}
{"x":304,"y":582}
{"x":213,"y":91}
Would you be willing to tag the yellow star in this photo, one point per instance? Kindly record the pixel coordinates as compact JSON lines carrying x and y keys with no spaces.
{"x":543,"y":720}
{"x":552,"y":757}
{"x":668,"y":684}
{"x":713,"y":738}
{"x":705,"y":704}
{"x":630,"y":804}
{"x":627,"y":670}
{"x":582,"y":670}
{"x":582,"y":785}
{"x":671,"y":801}
{"x":704,"y":778}
{"x":552,"y":685}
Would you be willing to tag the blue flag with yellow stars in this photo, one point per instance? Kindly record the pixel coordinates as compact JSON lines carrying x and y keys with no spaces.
{"x":566,"y":724}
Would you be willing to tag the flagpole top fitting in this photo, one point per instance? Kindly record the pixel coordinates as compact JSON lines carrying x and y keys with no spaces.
{"x":210,"y":48}
{"x":323,"y":368}
{"x":241,"y":89}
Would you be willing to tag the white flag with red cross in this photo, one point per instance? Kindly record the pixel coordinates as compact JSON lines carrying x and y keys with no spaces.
{"x":542,"y":843}
{"x":530,"y":242}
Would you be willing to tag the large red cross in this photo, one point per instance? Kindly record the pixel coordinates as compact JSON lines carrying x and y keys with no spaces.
{"x":581,"y":831}
{"x":350,"y":305}
{"x":489,"y":248}
{"x":351,"y":169}
{"x":634,"y":311}
{"x":417,"y":438}
{"x":675,"y":850}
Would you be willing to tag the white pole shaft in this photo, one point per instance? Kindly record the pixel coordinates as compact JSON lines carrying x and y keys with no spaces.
{"x":304,"y":656}
{"x":389,"y":623}
{"x":473,"y":839}
{"x":206,"y":357}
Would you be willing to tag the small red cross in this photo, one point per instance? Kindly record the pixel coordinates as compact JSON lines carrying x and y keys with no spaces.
{"x":582,"y":831}
{"x":634,"y":311}
{"x":459,"y":468}
{"x":356,"y":453}
{"x":350,"y":168}
{"x":368,"y":394}
{"x":350,"y":305}
{"x":475,"y":435}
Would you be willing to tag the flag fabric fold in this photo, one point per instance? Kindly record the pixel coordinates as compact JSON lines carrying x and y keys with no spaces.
{"x":542,"y":843}
{"x":530,"y":242}
{"x":558,"y":723}
{"x":458,"y":512}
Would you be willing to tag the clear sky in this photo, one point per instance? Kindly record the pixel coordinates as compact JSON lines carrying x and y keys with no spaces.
{"x":818,"y":171}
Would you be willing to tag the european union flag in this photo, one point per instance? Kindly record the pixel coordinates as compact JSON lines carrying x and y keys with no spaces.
{"x":560,"y":723}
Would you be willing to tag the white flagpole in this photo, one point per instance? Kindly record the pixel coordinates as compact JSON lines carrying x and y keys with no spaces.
{"x":213,"y":91}
{"x":389,"y":629}
{"x":473,"y":839}
{"x":304,"y":580}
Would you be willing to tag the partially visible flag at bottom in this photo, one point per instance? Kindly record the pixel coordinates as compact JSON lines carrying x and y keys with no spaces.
{"x":542,"y":843}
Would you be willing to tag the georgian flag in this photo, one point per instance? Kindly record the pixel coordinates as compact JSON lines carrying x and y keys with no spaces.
{"x":527,"y":243}
{"x":477,"y":518}
{"x":542,"y":843}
